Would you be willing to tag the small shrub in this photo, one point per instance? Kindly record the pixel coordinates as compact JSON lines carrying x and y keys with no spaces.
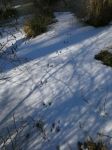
{"x":99,"y":12}
{"x":43,"y":16}
{"x":91,"y":145}
{"x":105,"y":56}
{"x":37,"y":25}
{"x":94,"y":12}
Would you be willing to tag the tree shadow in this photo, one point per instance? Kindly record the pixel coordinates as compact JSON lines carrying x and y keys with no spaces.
{"x":70,"y":88}
{"x":58,"y":38}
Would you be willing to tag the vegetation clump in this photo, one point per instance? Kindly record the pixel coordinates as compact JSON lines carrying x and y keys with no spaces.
{"x":94,"y":12}
{"x":105,"y":56}
{"x":37,"y":25}
{"x":99,"y":12}
{"x":43,"y":16}
{"x":91,"y":145}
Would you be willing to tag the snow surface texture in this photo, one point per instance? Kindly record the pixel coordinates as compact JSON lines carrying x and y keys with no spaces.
{"x":55,"y":78}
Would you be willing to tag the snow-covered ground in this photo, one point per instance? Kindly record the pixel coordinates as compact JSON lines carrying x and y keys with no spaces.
{"x":55,"y":78}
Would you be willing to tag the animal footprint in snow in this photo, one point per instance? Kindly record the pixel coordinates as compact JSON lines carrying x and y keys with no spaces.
{"x":50,"y":65}
{"x":43,"y":83}
{"x":59,"y":52}
{"x":66,"y":41}
{"x":40,"y":125}
{"x":101,"y":112}
{"x":27,"y":136}
{"x":56,"y":127}
{"x":47,"y":104}
{"x":104,"y":114}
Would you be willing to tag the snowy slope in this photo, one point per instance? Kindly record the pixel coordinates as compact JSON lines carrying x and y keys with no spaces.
{"x":56,"y":78}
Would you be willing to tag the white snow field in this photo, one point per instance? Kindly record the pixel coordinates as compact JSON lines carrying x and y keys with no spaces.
{"x":56,"y":79}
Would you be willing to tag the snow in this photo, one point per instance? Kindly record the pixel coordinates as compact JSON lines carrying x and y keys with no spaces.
{"x":58,"y":69}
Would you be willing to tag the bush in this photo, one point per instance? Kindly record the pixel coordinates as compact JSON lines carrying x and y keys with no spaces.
{"x":92,"y":145}
{"x":105,"y":57}
{"x":43,"y":16}
{"x":37,"y":25}
{"x":8,"y":13}
{"x":99,"y":12}
{"x":94,"y":12}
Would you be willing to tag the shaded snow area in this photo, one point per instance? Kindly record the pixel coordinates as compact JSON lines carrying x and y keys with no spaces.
{"x":55,"y":89}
